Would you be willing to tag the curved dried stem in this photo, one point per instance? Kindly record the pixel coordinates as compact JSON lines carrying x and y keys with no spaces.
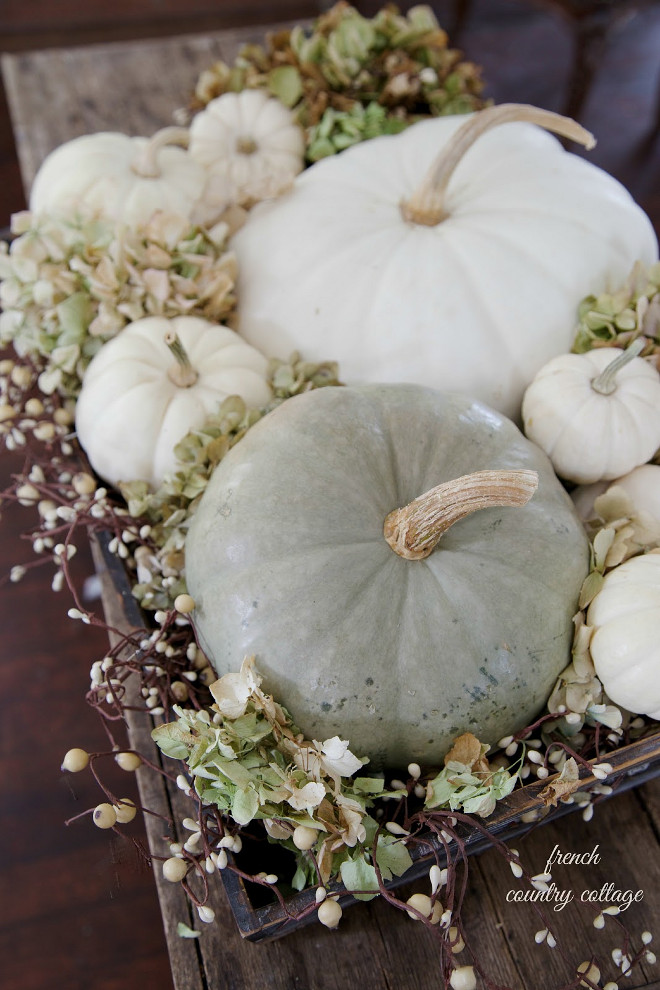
{"x":182,"y":373}
{"x":605,"y":383}
{"x":427,"y":204}
{"x":414,"y":530}
{"x":145,"y":164}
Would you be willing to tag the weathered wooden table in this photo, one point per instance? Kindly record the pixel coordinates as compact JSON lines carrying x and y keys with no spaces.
{"x":135,"y":87}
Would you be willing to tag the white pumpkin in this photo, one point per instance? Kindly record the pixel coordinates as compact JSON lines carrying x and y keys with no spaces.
{"x":153,"y":383}
{"x":123,"y":178}
{"x":625,"y":646}
{"x":250,"y":145}
{"x":596,"y":415}
{"x":468,"y":279}
{"x":642,"y":485}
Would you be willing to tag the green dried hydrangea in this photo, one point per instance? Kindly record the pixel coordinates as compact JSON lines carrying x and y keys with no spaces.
{"x":169,"y":509}
{"x":614,"y":319}
{"x":350,"y":77}
{"x":467,"y":782}
{"x":67,"y":286}
{"x":248,"y":759}
{"x":339,"y":129}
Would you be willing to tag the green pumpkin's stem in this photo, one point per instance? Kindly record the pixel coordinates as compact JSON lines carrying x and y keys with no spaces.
{"x":605,"y":382}
{"x":182,"y":373}
{"x":427,"y":204}
{"x":414,"y":530}
{"x":145,"y":164}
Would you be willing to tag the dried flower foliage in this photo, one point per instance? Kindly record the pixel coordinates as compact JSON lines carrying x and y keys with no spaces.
{"x":615,"y":319}
{"x":351,"y":77}
{"x":67,"y":286}
{"x":467,"y":781}
{"x":248,"y":759}
{"x":562,"y":786}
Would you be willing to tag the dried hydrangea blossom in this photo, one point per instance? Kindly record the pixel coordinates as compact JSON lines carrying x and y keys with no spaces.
{"x":629,"y":530}
{"x":67,"y":286}
{"x":468,"y":781}
{"x":614,"y":319}
{"x":398,"y":67}
{"x":247,"y":757}
{"x":578,"y":694}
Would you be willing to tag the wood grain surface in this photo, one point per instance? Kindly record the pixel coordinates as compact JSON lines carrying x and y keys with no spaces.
{"x":79,"y":909}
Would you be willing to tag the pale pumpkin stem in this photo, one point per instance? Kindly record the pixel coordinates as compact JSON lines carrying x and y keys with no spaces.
{"x":427,"y":204}
{"x":145,"y":164}
{"x":605,"y":383}
{"x":182,"y":373}
{"x":414,"y":530}
{"x":246,"y":146}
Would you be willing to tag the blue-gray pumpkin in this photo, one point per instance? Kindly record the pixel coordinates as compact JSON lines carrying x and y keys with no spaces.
{"x":287,"y":560}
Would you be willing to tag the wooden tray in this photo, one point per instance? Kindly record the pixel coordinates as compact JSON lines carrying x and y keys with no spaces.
{"x":633,"y":765}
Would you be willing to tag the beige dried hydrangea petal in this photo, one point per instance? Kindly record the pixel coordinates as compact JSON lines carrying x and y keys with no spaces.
{"x":566,"y":783}
{"x":469,"y":752}
{"x":577,"y":684}
{"x":308,"y":796}
{"x":232,"y":692}
{"x":632,"y":530}
{"x":351,"y":827}
{"x":115,"y":276}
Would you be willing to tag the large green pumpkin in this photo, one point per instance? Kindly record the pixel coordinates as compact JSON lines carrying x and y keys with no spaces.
{"x":287,"y":561}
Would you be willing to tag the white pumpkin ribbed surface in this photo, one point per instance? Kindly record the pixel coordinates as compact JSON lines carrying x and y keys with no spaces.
{"x":477,"y":303}
{"x":130,"y":414}
{"x":94,"y":173}
{"x":250,"y":144}
{"x":625,"y":646}
{"x":589,"y":436}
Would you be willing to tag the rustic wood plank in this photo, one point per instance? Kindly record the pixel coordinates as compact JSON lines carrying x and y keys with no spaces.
{"x":649,"y":798}
{"x":620,"y":832}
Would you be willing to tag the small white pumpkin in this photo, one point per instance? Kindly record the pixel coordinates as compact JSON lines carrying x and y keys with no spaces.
{"x":642,"y":485}
{"x":465,"y":277}
{"x":125,"y":179}
{"x":596,"y":415}
{"x":625,"y":646}
{"x":153,"y":383}
{"x":251,"y":146}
